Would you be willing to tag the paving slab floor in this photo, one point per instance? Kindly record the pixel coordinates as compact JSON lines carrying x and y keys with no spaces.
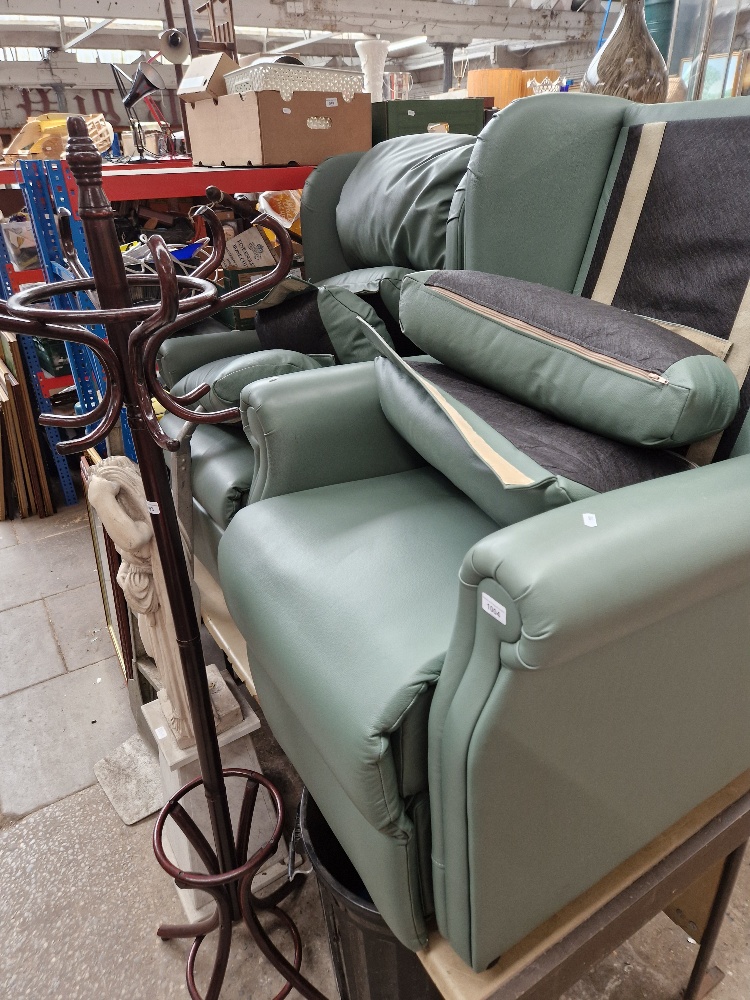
{"x":81,"y":892}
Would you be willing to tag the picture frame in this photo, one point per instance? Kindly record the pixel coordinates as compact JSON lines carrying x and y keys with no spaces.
{"x":116,"y":612}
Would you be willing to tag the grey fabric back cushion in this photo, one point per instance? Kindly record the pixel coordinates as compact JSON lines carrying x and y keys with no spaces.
{"x":511,"y":460}
{"x":689,"y":259}
{"x":394,"y":206}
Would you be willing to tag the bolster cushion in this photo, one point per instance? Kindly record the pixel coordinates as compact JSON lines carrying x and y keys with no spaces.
{"x":321,"y":321}
{"x":379,"y":287}
{"x":589,"y":364}
{"x":228,"y":377}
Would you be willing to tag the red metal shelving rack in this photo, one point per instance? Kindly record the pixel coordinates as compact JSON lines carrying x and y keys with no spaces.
{"x":178,"y":178}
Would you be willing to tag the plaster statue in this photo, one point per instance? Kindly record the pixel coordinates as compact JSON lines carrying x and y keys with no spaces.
{"x":116,"y":492}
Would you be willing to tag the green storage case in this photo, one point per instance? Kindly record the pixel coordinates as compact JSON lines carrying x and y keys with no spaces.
{"x":464,"y":116}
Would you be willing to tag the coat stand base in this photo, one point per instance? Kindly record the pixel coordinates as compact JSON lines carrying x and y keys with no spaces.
{"x":178,"y":767}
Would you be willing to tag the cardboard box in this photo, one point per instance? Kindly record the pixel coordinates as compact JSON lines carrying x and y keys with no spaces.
{"x":248,"y":251}
{"x":243,"y":317}
{"x":204,"y":77}
{"x":262,"y":129}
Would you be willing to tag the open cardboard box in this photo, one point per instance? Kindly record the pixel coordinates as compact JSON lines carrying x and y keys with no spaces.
{"x":262,"y":129}
{"x":204,"y":77}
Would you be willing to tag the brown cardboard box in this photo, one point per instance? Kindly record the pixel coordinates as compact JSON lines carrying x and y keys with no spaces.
{"x":204,"y":77}
{"x":243,"y":317}
{"x":262,"y":129}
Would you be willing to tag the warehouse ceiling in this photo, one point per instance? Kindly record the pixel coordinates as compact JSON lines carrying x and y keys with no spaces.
{"x":55,"y":53}
{"x":323,"y":28}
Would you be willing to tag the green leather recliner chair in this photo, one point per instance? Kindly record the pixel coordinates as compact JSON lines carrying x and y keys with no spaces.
{"x":495,"y":610}
{"x":368,"y":220}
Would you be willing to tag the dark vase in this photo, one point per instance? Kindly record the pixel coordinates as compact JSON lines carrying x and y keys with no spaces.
{"x":629,"y":63}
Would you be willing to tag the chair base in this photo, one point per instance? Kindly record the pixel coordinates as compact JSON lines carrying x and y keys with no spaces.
{"x":555,"y":956}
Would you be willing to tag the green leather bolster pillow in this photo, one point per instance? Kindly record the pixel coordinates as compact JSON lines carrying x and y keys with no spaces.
{"x":320,"y":321}
{"x":586,"y":363}
{"x":300,"y":316}
{"x":229,"y":376}
{"x":370,"y":282}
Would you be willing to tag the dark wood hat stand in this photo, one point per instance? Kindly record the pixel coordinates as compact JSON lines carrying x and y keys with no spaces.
{"x":128,"y":356}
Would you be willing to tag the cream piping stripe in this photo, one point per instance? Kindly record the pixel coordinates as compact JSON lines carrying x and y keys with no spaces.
{"x":739,"y":356}
{"x":508,"y":474}
{"x":719,"y":347}
{"x":630,"y":212}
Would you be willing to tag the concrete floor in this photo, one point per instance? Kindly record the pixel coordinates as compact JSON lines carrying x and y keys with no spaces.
{"x":82,"y":894}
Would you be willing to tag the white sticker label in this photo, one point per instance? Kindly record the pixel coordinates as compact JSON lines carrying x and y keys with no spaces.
{"x":153,"y":508}
{"x":160,"y":733}
{"x":410,"y":113}
{"x":192,"y":83}
{"x":286,"y":111}
{"x":494,"y":608}
{"x":589,"y":520}
{"x":332,"y":102}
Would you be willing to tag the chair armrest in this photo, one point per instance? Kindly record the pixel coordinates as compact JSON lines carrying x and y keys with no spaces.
{"x":320,"y":427}
{"x":206,"y":342}
{"x":657,"y":548}
{"x":324,"y":256}
{"x":610,"y":702}
{"x":227,"y":377}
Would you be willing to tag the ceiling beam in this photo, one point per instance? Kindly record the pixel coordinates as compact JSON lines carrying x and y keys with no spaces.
{"x":65,"y":70}
{"x":456,"y":22}
{"x":43,"y":37}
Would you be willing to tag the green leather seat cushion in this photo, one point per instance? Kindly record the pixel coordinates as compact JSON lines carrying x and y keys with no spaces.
{"x":229,"y":376}
{"x":355,"y":671}
{"x":321,"y":321}
{"x":592,"y":365}
{"x":368,"y":282}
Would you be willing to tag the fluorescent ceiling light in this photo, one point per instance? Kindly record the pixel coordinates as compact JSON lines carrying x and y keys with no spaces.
{"x":407,"y":43}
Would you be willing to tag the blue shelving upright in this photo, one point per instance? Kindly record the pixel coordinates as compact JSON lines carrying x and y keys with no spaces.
{"x":46,"y":189}
{"x":33,"y":368}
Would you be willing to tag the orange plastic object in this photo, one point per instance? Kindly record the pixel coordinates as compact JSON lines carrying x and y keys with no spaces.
{"x":284,"y":206}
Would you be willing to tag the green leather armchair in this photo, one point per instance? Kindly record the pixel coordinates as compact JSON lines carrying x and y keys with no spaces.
{"x":368,"y":219}
{"x":495,"y":706}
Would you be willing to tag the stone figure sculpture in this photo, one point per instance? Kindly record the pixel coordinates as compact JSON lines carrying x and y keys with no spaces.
{"x":116,"y":492}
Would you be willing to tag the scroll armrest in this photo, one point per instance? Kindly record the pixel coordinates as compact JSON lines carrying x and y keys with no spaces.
{"x":208,"y":341}
{"x":595,"y":692}
{"x":320,"y":427}
{"x":589,"y":573}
